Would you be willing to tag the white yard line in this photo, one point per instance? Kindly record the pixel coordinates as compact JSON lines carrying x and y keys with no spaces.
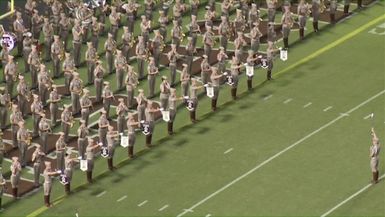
{"x":142,"y":203}
{"x":208,"y":215}
{"x":268,"y":97}
{"x":328,"y":108}
{"x":307,"y":105}
{"x":228,"y":151}
{"x":163,"y":208}
{"x":368,"y":116}
{"x":122,"y":198}
{"x":278,"y":154}
{"x":101,"y":194}
{"x":287,"y":101}
{"x":349,"y":198}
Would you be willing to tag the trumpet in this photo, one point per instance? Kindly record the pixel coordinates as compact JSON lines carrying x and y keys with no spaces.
{"x":132,"y":41}
{"x":28,"y":141}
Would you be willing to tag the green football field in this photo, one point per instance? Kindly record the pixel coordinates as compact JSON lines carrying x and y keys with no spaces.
{"x":295,"y":146}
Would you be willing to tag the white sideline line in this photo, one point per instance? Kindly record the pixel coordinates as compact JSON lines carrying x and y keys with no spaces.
{"x":278,"y":154}
{"x":163,"y":208}
{"x":328,"y":108}
{"x":228,"y":151}
{"x":307,"y":105}
{"x":208,"y":215}
{"x":268,"y":97}
{"x":287,"y":101}
{"x":349,"y":198}
{"x":122,"y":198}
{"x":101,"y":194}
{"x":142,"y":203}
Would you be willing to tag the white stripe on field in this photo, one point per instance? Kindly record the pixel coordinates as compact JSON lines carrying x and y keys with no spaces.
{"x":268,"y":97}
{"x":142,"y":203}
{"x":278,"y":154}
{"x":163,"y":208}
{"x":287,"y":101}
{"x":228,"y":151}
{"x":101,"y":194}
{"x":328,"y":108}
{"x":349,"y":198}
{"x":307,"y":105}
{"x":122,"y":198}
{"x":367,"y":117}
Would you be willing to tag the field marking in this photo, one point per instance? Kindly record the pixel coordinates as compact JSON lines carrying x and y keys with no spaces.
{"x":349,"y":198}
{"x":268,"y":97}
{"x":239,"y":178}
{"x":307,"y":105}
{"x":163,"y":208}
{"x":331,"y":45}
{"x":142,"y":203}
{"x":287,"y":101}
{"x":368,"y":116}
{"x":228,"y":151}
{"x":122,"y":198}
{"x":344,"y":114}
{"x":101,"y":194}
{"x":328,"y":108}
{"x":208,"y":215}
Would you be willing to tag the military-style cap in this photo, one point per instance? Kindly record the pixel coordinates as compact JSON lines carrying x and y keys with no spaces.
{"x":106,"y":83}
{"x":118,"y":51}
{"x":42,"y":114}
{"x":110,"y":127}
{"x":110,"y":35}
{"x":89,"y":43}
{"x":250,"y":51}
{"x":15,"y":158}
{"x":120,"y":99}
{"x":239,"y":11}
{"x":82,"y":121}
{"x":61,"y":133}
{"x":189,"y":38}
{"x":20,"y":123}
{"x":54,"y":86}
{"x":184,"y":65}
{"x":10,"y":57}
{"x":164,"y":77}
{"x":140,"y":90}
{"x":125,"y":27}
{"x":103,"y":111}
{"x":66,"y":105}
{"x":204,"y":56}
{"x":156,"y":30}
{"x":143,"y":17}
{"x":21,"y":77}
{"x":14,"y":106}
{"x":35,"y":96}
{"x":239,"y":33}
{"x":85,"y":90}
{"x":161,"y":12}
{"x":221,"y":48}
{"x":90,"y":139}
{"x":47,"y":163}
{"x":67,"y":54}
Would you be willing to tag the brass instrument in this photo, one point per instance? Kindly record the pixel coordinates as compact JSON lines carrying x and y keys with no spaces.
{"x":132,"y":41}
{"x":29,"y":139}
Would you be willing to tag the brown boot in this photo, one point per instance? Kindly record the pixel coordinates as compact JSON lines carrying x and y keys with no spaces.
{"x":130,"y":151}
{"x":234,"y":93}
{"x":249,"y":84}
{"x":192,"y":116}
{"x":268,"y":74}
{"x":46,"y":201}
{"x":89,"y":177}
{"x":148,"y":140}
{"x":14,"y":192}
{"x":301,"y":33}
{"x":359,"y":3}
{"x":332,"y":18}
{"x":67,"y":188}
{"x":315,"y":27}
{"x":169,"y":128}
{"x":286,"y":43}
{"x":346,"y":9}
{"x":110,"y":164}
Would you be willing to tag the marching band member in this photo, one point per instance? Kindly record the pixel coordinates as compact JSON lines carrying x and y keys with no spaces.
{"x":23,"y":95}
{"x":131,"y":123}
{"x":108,"y":97}
{"x":111,"y":145}
{"x":68,"y":171}
{"x":121,"y":110}
{"x":36,"y":109}
{"x":287,"y":22}
{"x":44,"y":84}
{"x":10,"y":72}
{"x":250,"y":62}
{"x":120,"y":63}
{"x":235,"y":71}
{"x":374,"y":155}
{"x":303,"y":12}
{"x":5,"y":101}
{"x":110,"y":48}
{"x":44,"y":129}
{"x":54,"y":99}
{"x":61,"y":147}
{"x":15,"y":118}
{"x":173,"y":57}
{"x":141,"y":105}
{"x":68,"y":69}
{"x":77,"y":33}
{"x":98,"y":80}
{"x":15,"y":176}
{"x":215,"y":82}
{"x":103,"y":124}
{"x":150,"y":119}
{"x":27,"y":48}
{"x":164,"y":93}
{"x":91,"y":57}
{"x":83,"y":133}
{"x":24,"y":139}
{"x":141,"y":54}
{"x":48,"y":33}
{"x":90,"y":155}
{"x":131,"y":83}
{"x":194,"y":87}
{"x":315,"y":11}
{"x":76,"y":88}
{"x":205,"y":70}
{"x":128,"y":42}
{"x":48,"y":173}
{"x":37,"y":158}
{"x":57,"y":54}
{"x":172,"y":99}
{"x":66,"y":121}
{"x":152,"y":71}
{"x":185,"y":80}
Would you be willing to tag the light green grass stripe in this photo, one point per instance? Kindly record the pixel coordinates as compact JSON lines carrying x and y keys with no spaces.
{"x":330,"y":46}
{"x":44,"y":208}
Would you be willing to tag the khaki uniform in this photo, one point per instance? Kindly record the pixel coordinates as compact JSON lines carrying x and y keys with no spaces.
{"x":76,"y":87}
{"x":172,"y":57}
{"x":110,"y":48}
{"x":131,"y":82}
{"x":205,"y":71}
{"x":65,"y":26}
{"x":315,"y":7}
{"x":131,"y":137}
{"x":140,"y":55}
{"x":108,"y":97}
{"x":44,"y":83}
{"x":68,"y":68}
{"x":151,"y":77}
{"x":271,"y":10}
{"x":34,"y":64}
{"x":208,"y":43}
{"x":27,"y":43}
{"x":38,"y":155}
{"x":114,"y":20}
{"x":66,"y":120}
{"x":103,"y":125}
{"x":121,"y":110}
{"x":77,"y":33}
{"x":91,"y":55}
{"x":142,"y":104}
{"x":157,"y":43}
{"x":15,"y":176}
{"x":287,"y":21}
{"x":48,"y":32}
{"x":44,"y":130}
{"x":120,"y":62}
{"x":224,"y":31}
{"x":176,"y":35}
{"x":47,"y":182}
{"x":255,"y":34}
{"x":22,"y":138}
{"x":96,"y":29}
{"x":10,"y":72}
{"x":22,"y":96}
{"x":163,"y":22}
{"x":4,"y":102}
{"x":98,"y":81}
{"x":374,"y":157}
{"x":15,"y":118}
{"x":145,"y":27}
{"x":60,"y":153}
{"x":19,"y":29}
{"x":164,"y":94}
{"x":57,"y":49}
{"x":126,"y":41}
{"x":83,"y":133}
{"x":185,"y":82}
{"x":86,"y":105}
{"x":54,"y":99}
{"x":36,"y":109}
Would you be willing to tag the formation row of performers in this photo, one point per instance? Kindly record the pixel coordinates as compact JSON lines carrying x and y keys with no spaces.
{"x":56,"y":38}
